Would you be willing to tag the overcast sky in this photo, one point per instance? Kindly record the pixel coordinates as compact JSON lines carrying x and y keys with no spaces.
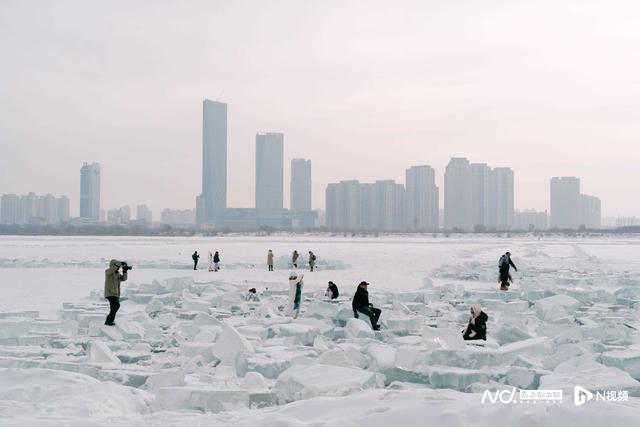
{"x":364,"y":89}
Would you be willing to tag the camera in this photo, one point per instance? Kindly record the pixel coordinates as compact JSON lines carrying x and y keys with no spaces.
{"x":125,"y":267}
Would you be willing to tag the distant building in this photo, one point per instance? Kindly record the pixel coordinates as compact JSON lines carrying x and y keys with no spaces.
{"x":119,"y":216}
{"x":590,"y":211}
{"x":530,"y":219}
{"x":502,"y":199}
{"x":9,"y":209}
{"x":33,"y":209}
{"x":343,"y":206}
{"x":387,"y":206}
{"x":483,"y":195}
{"x":90,"y":191}
{"x":569,"y":208}
{"x":457,"y":195}
{"x":212,"y":203}
{"x":300,"y":185}
{"x":422,"y":199}
{"x":144,"y":214}
{"x":269,"y":178}
{"x":176,"y":217}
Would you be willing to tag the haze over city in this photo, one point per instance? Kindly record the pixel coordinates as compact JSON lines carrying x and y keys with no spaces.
{"x":363,"y":89}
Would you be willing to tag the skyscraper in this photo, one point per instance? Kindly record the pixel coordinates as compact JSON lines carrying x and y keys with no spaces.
{"x":422,"y":199}
{"x":503,"y":198}
{"x":300,"y":185}
{"x":482,"y":202}
{"x":213,"y":200}
{"x":90,"y":191}
{"x":269,"y":177}
{"x":457,"y":195}
{"x":565,"y":202}
{"x":343,"y":205}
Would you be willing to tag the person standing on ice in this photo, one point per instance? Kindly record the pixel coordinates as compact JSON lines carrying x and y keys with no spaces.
{"x":112,"y":279}
{"x":195,"y":257}
{"x":503,"y":265}
{"x":477,"y":327}
{"x":312,"y":260}
{"x":210,"y":261}
{"x":294,"y":259}
{"x":216,"y":261}
{"x":270,"y":260}
{"x":295,"y":294}
{"x":361,"y":304}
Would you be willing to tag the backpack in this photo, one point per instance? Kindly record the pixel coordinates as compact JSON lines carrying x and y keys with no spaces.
{"x":313,"y":257}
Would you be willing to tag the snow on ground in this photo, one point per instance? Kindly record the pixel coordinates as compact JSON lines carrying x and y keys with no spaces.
{"x":188,"y":349}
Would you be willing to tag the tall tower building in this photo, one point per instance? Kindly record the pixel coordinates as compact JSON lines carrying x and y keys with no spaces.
{"x":503,"y":196}
{"x":422,"y":199}
{"x":457,"y":194}
{"x":269,"y":177}
{"x":300,"y":185}
{"x":90,"y":191}
{"x":482,"y":195}
{"x":565,"y":202}
{"x":212,"y":203}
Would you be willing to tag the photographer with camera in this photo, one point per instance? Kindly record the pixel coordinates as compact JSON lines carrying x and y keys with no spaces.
{"x":112,"y":280}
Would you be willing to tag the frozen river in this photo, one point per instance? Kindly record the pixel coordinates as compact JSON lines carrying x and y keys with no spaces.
{"x":189,"y":350}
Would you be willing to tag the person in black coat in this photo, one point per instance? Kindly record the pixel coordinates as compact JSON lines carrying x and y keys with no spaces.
{"x":332,"y":291}
{"x":503,"y":265}
{"x":361,"y":304}
{"x":216,"y":261}
{"x":477,"y":327}
{"x":195,"y":257}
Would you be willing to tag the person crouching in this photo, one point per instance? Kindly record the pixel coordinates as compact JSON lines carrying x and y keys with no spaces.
{"x":477,"y":327}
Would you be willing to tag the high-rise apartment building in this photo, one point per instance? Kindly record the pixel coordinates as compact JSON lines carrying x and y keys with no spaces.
{"x":300,"y":185}
{"x":269,"y":178}
{"x":502,"y":198}
{"x":457,"y":195}
{"x":422,"y":199}
{"x":212,"y":202}
{"x":90,"y":191}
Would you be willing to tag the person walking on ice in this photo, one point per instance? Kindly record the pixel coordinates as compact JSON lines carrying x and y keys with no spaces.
{"x":312,"y":260}
{"x":477,"y":327}
{"x":294,"y":259}
{"x":270,"y":260}
{"x":361,"y":304}
{"x":210,"y":258}
{"x":216,"y":261}
{"x":503,"y":265}
{"x":195,"y":257}
{"x":295,"y":294}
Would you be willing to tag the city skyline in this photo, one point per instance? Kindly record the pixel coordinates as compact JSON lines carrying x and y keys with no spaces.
{"x":492,"y":95}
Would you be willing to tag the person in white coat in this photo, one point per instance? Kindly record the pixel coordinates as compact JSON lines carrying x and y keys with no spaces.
{"x":210,"y":261}
{"x":295,"y":294}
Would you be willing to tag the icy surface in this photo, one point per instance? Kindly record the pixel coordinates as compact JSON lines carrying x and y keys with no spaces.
{"x":189,"y":349}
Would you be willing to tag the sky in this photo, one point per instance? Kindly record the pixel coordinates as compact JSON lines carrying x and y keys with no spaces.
{"x":365,"y":89}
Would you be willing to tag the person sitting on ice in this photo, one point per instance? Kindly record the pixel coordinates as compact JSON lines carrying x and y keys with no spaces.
{"x":332,"y":291}
{"x":361,"y":304}
{"x":251,"y":295}
{"x":295,"y":294}
{"x":477,"y":327}
{"x":503,"y":265}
